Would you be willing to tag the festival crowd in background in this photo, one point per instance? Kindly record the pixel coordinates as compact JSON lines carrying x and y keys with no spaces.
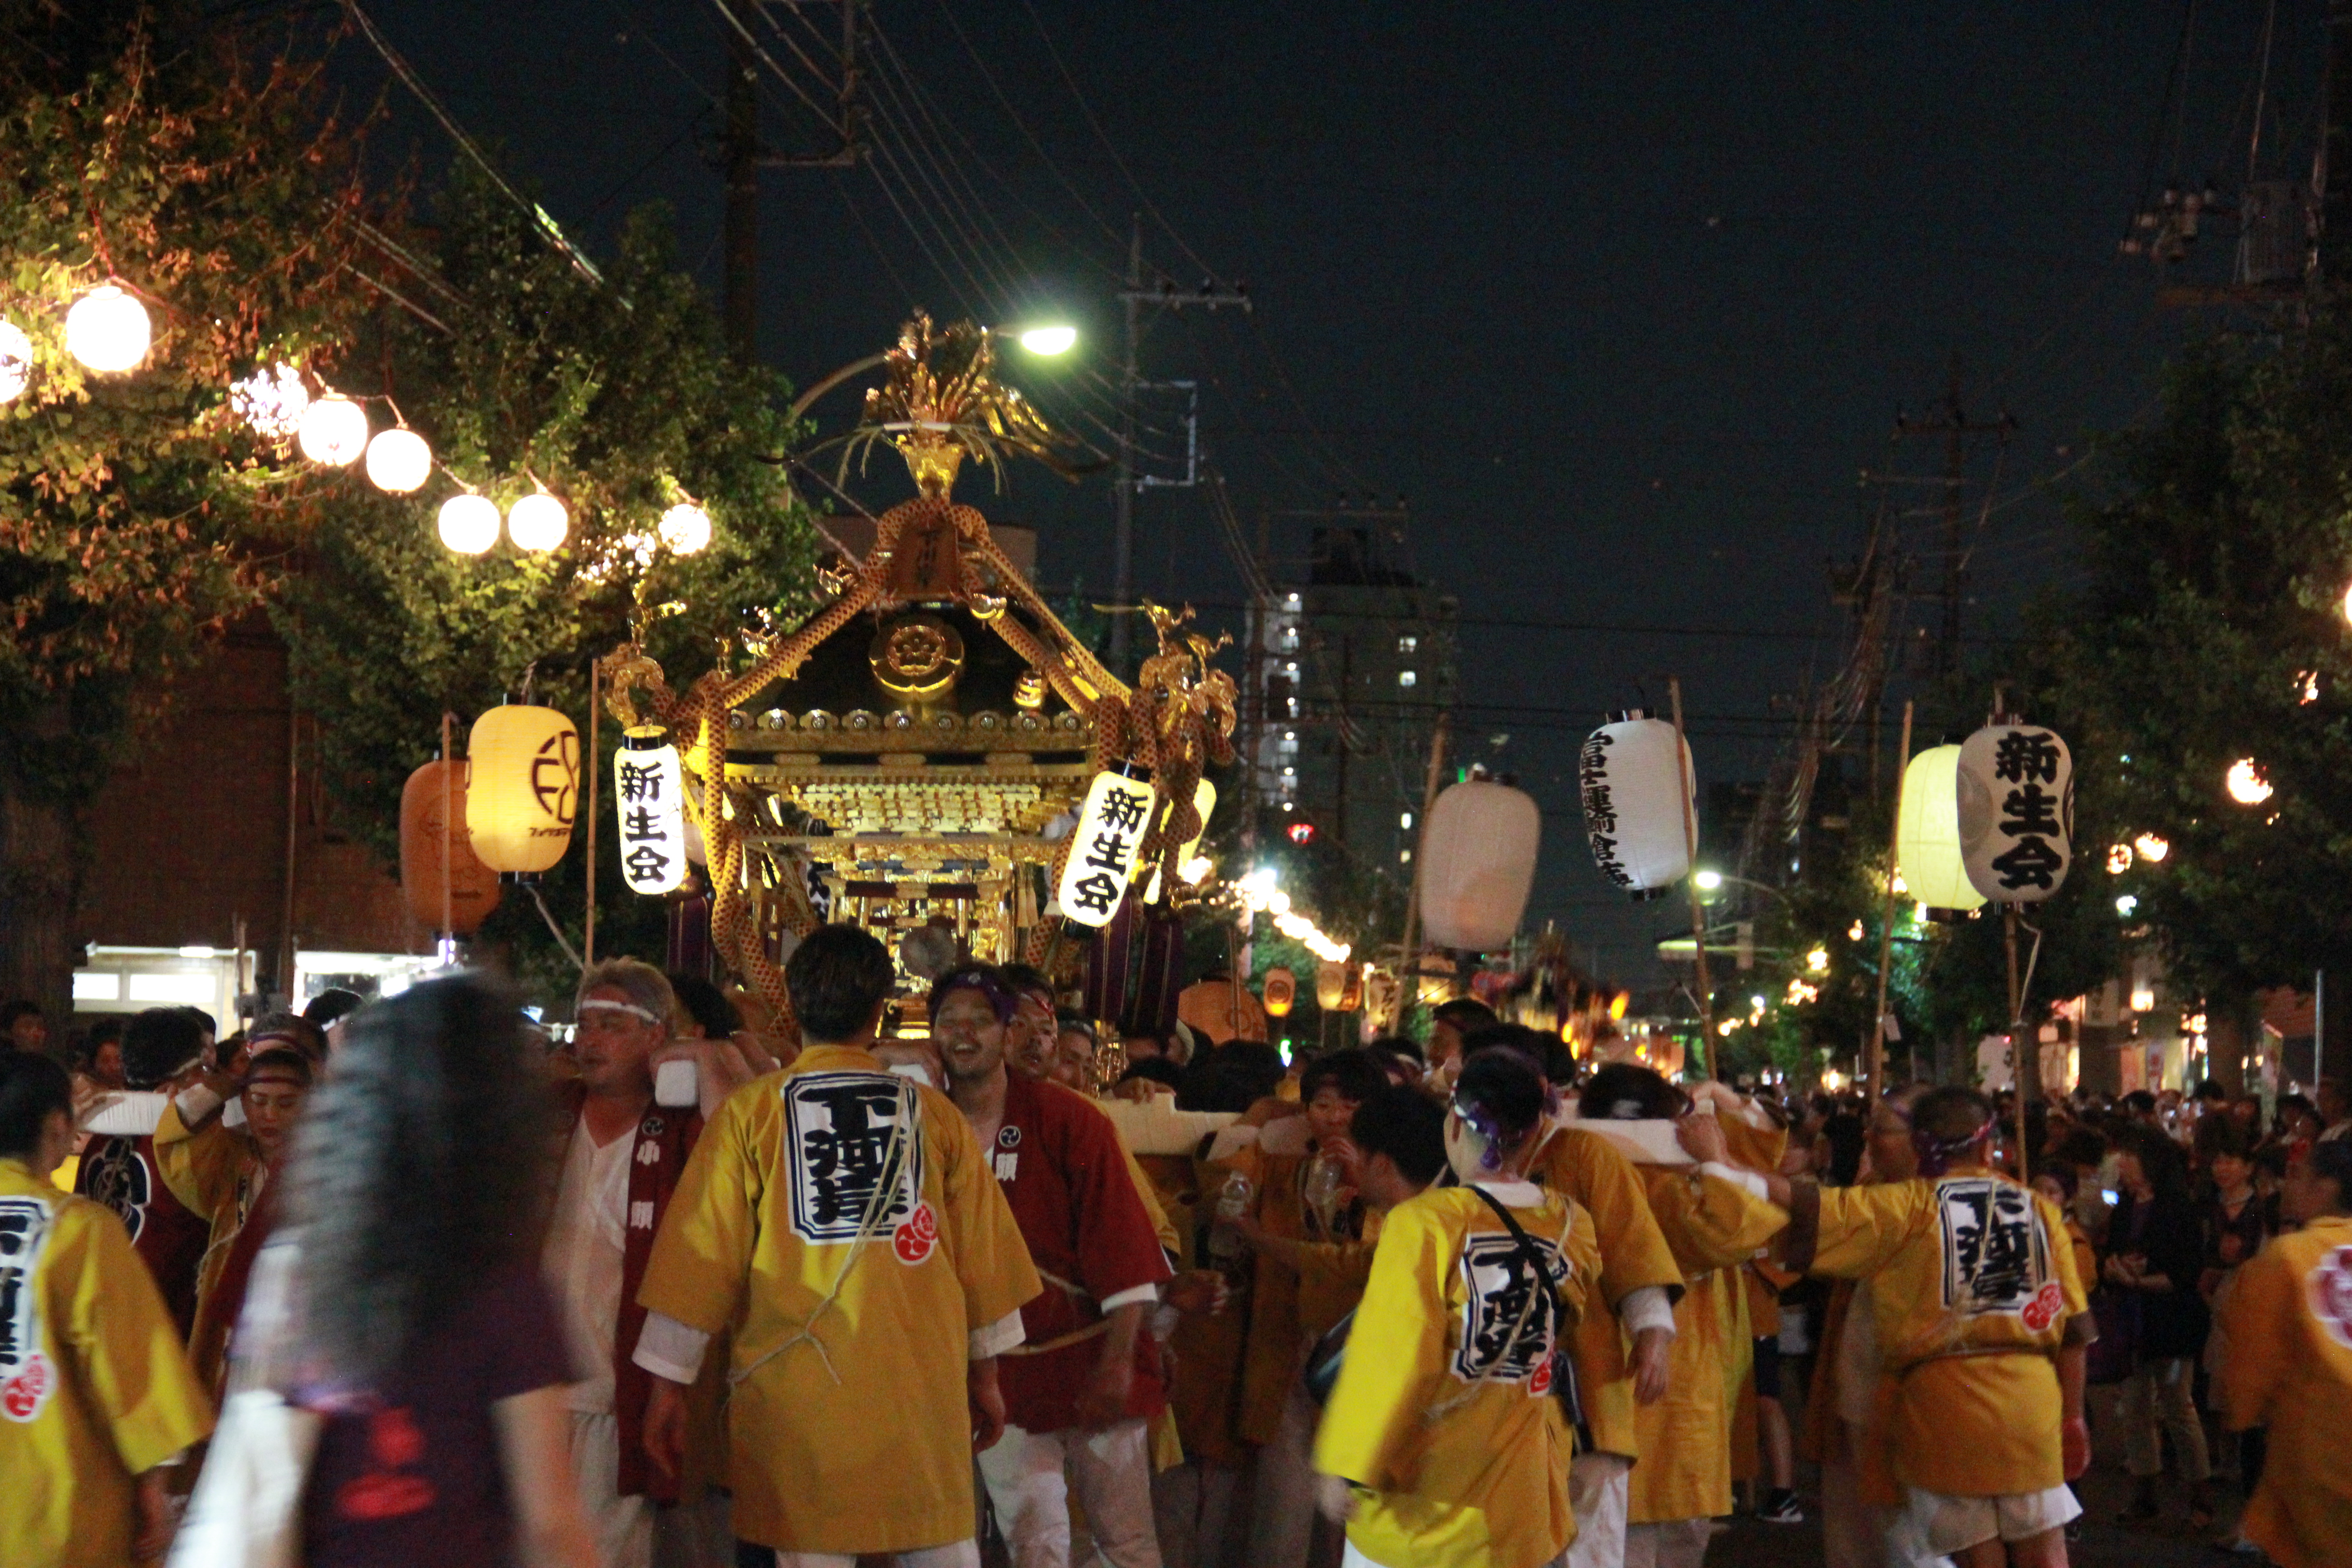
{"x":410,"y":1282}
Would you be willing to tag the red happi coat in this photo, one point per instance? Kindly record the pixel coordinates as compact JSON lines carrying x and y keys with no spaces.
{"x":1058,"y":1160}
{"x":119,"y":1170}
{"x":657,"y":1152}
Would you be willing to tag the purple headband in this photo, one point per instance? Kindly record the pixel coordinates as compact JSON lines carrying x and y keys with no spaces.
{"x":987,"y":982}
{"x":1937,"y":1154}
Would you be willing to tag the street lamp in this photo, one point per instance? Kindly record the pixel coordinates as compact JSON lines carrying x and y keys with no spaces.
{"x":1710,"y":881}
{"x":1045,"y":342}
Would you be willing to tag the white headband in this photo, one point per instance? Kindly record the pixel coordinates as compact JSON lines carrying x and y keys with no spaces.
{"x":600,"y":1005}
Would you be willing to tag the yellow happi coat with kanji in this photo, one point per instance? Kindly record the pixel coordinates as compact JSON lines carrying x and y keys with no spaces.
{"x":2288,"y":1326}
{"x":94,"y":1387}
{"x":1712,"y":1225}
{"x":1444,"y":1419}
{"x":848,"y":1426}
{"x":1973,"y":1286}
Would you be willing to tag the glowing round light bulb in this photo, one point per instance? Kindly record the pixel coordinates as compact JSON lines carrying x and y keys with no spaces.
{"x":685,"y":528}
{"x":106,"y":330}
{"x":398,"y":460}
{"x":469,"y":523}
{"x":538,"y":521}
{"x":334,"y":431}
{"x":1049,"y":341}
{"x":2246,"y":785}
{"x":15,"y":360}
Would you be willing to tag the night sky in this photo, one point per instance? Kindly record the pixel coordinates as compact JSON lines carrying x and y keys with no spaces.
{"x":1625,"y":299}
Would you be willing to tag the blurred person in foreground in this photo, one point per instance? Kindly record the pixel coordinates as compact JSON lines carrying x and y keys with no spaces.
{"x":96,"y":1394}
{"x":847,"y":1225}
{"x":1982,"y":1324}
{"x":2287,"y":1325}
{"x":414,"y":1319}
{"x":1444,"y":1441}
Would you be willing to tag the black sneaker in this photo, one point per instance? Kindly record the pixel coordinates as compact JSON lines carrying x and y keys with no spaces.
{"x":1780,"y":1507}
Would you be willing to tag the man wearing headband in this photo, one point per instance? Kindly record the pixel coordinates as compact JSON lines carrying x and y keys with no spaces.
{"x":845,"y":1223}
{"x":1084,"y":1389}
{"x":225,"y":1173}
{"x":1982,"y":1323}
{"x":622,"y":1160}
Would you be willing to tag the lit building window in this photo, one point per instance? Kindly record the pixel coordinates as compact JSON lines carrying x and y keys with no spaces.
{"x":1405,"y":821}
{"x":1290,"y":640}
{"x":1404,"y":856}
{"x":1407,"y":678}
{"x":1408,"y":645}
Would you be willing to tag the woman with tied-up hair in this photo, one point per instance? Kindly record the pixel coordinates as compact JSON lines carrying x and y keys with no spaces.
{"x":1442,"y":1443}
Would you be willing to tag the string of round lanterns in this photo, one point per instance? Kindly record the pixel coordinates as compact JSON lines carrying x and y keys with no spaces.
{"x":468,"y":523}
{"x":398,"y":460}
{"x":107,"y":330}
{"x":538,"y":521}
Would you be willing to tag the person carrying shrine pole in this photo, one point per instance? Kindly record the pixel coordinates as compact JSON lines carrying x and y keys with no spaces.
{"x":1086,"y":1387}
{"x":848,"y":1226}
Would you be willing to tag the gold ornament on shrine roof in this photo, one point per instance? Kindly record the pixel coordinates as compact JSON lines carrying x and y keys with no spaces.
{"x":917,"y":656}
{"x":943,"y":403}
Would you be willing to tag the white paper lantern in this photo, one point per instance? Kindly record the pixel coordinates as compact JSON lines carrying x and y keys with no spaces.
{"x":1111,"y":827}
{"x":469,"y":523}
{"x":538,"y":521}
{"x":2016,"y":788}
{"x":685,"y":528}
{"x":1478,"y":861}
{"x":649,"y":797}
{"x":334,"y":431}
{"x":106,"y":330}
{"x":398,"y":460}
{"x":1927,"y":833}
{"x":1634,"y":805}
{"x":15,"y":360}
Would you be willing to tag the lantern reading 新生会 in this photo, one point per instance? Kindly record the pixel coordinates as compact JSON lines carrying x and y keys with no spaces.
{"x":1927,"y":833}
{"x":1111,"y":827}
{"x":1634,"y":802}
{"x":649,"y":793}
{"x":1478,"y":861}
{"x":446,"y":884}
{"x":2015,"y":786}
{"x":524,"y":787}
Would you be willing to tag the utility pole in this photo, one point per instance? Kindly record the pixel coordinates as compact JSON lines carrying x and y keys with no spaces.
{"x":2331,"y":176}
{"x":741,"y":155}
{"x":1955,"y":426}
{"x":1134,"y":296}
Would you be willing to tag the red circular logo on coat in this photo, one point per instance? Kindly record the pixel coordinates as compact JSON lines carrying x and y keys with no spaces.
{"x":1541,"y":1382}
{"x":21,"y":1395}
{"x":915,"y":1238}
{"x":2044,"y":1309}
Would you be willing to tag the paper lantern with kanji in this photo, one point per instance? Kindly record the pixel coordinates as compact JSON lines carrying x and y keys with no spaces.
{"x":523,"y":789}
{"x":1478,"y":861}
{"x":1111,"y":827}
{"x":2015,"y":786}
{"x":453,"y":893}
{"x":649,"y":801}
{"x":1637,"y":779}
{"x":1927,"y":833}
{"x":1280,"y":989}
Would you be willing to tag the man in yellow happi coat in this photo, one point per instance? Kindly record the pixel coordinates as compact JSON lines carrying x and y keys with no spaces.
{"x":1621,"y":1356}
{"x":2287,"y":1322}
{"x":1981,"y":1323}
{"x":95,"y":1391}
{"x":1713,"y":1216}
{"x":847,"y":1227}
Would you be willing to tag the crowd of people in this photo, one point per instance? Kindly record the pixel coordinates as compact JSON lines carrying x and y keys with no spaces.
{"x":650,"y":1296}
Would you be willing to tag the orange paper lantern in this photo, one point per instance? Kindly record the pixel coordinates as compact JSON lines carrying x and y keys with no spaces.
{"x":456,"y":893}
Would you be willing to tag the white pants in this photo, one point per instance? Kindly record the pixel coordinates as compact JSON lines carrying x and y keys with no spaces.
{"x":1668,"y":1544}
{"x":623,"y":1526}
{"x":1112,"y":1472}
{"x":1192,"y":1506}
{"x":1282,"y":1520}
{"x":957,"y":1554}
{"x":1598,"y":1485}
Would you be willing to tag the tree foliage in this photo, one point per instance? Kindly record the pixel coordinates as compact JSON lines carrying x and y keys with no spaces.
{"x":615,"y":398}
